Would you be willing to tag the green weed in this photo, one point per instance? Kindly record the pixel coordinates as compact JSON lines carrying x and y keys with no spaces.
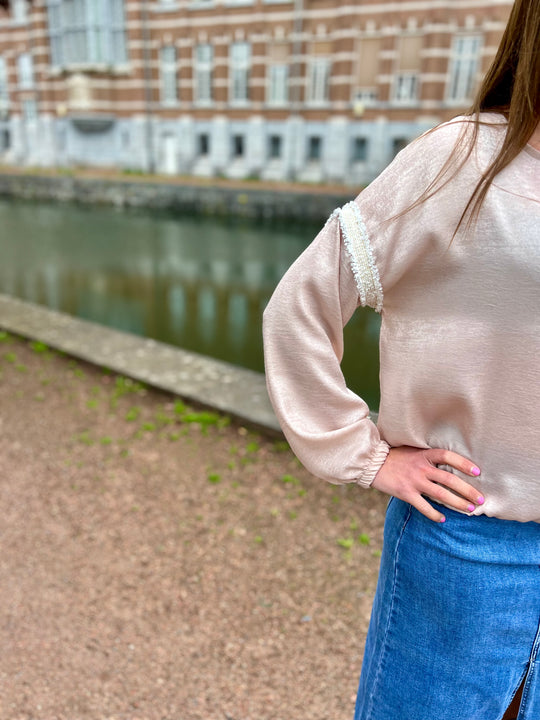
{"x":133,"y":414}
{"x":39,"y":347}
{"x":163,"y":419}
{"x":179,"y":408}
{"x":346,"y":543}
{"x":290,"y":480}
{"x":214,"y":478}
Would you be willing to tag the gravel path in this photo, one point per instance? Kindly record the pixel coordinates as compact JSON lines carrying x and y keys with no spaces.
{"x":161,"y":563}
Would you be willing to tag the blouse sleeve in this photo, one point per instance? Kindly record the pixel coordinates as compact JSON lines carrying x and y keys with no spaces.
{"x":326,"y":424}
{"x":356,"y":259}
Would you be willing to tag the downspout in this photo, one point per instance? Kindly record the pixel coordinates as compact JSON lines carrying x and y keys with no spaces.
{"x":296,"y":99}
{"x":148,"y":95}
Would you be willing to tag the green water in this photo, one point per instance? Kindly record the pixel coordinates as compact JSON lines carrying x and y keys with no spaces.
{"x":193,"y":282}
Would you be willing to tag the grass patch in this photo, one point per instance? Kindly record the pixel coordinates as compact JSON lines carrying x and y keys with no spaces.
{"x":39,"y":347}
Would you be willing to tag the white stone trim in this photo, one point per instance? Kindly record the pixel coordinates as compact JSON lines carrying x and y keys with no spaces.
{"x":356,"y":241}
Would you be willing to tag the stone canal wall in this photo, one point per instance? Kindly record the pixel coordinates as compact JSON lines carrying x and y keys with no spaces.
{"x":264,"y":202}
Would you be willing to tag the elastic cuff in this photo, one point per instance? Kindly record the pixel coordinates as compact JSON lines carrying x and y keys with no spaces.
{"x":373,"y":465}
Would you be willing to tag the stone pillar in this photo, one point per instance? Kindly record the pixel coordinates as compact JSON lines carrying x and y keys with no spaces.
{"x":381,"y":153}
{"x":187,"y":150}
{"x":220,"y":144}
{"x":295,"y":146}
{"x":17,"y":152}
{"x":144,"y":142}
{"x":256,"y":146}
{"x":45,"y":152}
{"x":336,"y":158}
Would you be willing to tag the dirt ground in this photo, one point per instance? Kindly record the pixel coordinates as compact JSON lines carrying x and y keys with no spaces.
{"x":159,"y":562}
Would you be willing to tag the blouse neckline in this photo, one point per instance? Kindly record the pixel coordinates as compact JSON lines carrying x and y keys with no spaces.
{"x":532,"y":151}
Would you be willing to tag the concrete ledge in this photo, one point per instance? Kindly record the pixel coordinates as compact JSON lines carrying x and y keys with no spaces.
{"x":260,"y":202}
{"x":238,"y":392}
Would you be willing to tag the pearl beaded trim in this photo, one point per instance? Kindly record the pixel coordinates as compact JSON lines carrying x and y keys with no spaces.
{"x":356,"y":240}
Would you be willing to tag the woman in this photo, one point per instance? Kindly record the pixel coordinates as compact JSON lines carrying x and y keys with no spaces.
{"x":446,"y":244}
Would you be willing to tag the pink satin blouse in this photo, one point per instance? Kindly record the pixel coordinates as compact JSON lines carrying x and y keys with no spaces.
{"x":460,"y":335}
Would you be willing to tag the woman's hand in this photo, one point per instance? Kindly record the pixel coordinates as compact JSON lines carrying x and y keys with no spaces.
{"x":408,"y":473}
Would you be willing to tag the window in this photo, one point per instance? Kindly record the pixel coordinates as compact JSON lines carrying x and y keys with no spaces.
{"x":398,"y":144}
{"x":319,"y":77}
{"x":368,"y":66}
{"x":278,"y":73}
{"x":406,"y":87}
{"x":25,"y":67}
{"x":359,"y":149}
{"x":204,"y":58}
{"x":4,"y":88}
{"x":238,"y":146}
{"x":5,"y":139}
{"x":87,"y":31}
{"x":275,"y":147}
{"x":314,"y":148}
{"x":19,"y":10}
{"x":239,"y":66}
{"x":408,"y":68}
{"x":167,"y":72}
{"x":30,"y":110}
{"x":278,"y":89}
{"x":203,"y":142}
{"x":463,"y":67}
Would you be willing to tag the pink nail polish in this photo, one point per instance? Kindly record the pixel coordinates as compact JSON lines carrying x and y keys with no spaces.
{"x":470,"y":507}
{"x":475,"y":471}
{"x":443,"y":519}
{"x":481,"y":500}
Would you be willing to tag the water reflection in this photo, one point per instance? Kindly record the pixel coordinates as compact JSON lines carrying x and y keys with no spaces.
{"x":197,"y":283}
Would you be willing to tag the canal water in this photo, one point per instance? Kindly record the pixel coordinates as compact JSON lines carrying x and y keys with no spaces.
{"x":198,"y":283}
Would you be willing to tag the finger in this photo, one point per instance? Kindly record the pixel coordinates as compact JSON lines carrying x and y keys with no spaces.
{"x":455,"y":483}
{"x":440,"y":456}
{"x":428,"y":510}
{"x":443,"y":496}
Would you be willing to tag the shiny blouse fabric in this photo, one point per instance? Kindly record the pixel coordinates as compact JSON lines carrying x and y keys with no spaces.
{"x":460,"y":334}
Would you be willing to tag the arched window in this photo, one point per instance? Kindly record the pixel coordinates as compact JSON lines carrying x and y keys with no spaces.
{"x":87,"y":32}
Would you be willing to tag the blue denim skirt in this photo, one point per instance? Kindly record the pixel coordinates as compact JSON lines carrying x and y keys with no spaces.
{"x":455,"y":626}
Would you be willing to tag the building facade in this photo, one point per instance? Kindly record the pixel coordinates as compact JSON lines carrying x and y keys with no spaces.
{"x":310,"y":90}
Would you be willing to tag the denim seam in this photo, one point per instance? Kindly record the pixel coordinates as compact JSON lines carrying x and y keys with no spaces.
{"x":390,"y":613}
{"x":529,"y":676}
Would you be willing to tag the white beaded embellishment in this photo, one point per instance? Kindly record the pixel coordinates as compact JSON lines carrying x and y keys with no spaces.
{"x":356,"y":240}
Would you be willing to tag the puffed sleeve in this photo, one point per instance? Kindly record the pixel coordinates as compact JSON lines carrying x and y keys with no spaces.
{"x":358,"y":257}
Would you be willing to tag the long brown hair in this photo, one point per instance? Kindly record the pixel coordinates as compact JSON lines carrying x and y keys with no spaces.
{"x":511,"y":87}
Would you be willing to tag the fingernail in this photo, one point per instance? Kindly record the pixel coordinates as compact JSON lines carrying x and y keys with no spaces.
{"x":470,"y":508}
{"x":481,"y":500}
{"x":443,"y":519}
{"x":475,"y":471}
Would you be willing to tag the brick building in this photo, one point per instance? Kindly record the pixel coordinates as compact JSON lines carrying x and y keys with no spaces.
{"x":316,"y":90}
